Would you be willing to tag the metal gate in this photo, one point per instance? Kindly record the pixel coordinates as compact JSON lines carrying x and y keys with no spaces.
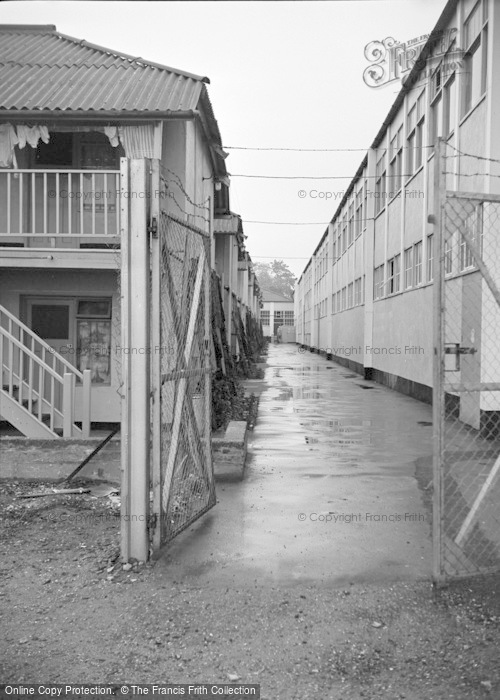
{"x":466,"y":513}
{"x":183,"y":480}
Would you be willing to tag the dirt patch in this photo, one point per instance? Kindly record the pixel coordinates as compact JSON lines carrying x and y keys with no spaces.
{"x":72,"y":614}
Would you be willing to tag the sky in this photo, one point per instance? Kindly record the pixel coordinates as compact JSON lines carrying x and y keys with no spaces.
{"x":283,"y":75}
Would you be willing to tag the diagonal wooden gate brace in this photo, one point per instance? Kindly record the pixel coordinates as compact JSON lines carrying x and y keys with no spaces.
{"x":181,"y":391}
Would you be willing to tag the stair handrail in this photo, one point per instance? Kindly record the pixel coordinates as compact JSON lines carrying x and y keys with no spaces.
{"x":46,"y":367}
{"x":71,"y":368}
{"x":84,"y":376}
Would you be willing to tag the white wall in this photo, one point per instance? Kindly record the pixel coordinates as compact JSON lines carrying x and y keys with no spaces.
{"x":16,"y":284}
{"x":398,"y":327}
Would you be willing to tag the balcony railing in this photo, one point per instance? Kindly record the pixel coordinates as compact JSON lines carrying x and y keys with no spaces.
{"x":59,"y":203}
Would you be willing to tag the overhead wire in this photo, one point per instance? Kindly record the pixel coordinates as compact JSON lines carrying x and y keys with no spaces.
{"x":310,"y":177}
{"x":310,"y":150}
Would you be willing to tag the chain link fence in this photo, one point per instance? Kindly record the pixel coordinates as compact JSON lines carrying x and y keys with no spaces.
{"x":468,"y":498}
{"x":187,"y":483}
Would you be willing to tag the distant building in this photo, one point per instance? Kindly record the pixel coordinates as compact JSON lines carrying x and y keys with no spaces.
{"x":365,"y":297}
{"x":72,"y":116}
{"x":277,"y":310}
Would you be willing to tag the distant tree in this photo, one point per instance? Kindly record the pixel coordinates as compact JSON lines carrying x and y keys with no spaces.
{"x":264,"y":277}
{"x":276,"y":276}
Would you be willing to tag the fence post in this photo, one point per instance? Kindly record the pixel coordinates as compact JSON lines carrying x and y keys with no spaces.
{"x":138,"y":350}
{"x":156,"y":352}
{"x":68,"y":404}
{"x":125,"y":361}
{"x":86,"y":402}
{"x":438,"y":361}
{"x":207,"y":360}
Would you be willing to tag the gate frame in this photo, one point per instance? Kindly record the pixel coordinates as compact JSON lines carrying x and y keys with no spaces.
{"x":141,"y":208}
{"x":441,"y":197}
{"x":156,"y":358}
{"x":438,"y":362}
{"x":158,"y":209}
{"x":135,"y":333}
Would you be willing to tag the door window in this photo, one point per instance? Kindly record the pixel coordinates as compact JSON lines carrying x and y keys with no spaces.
{"x":93,"y":329}
{"x":50,"y":321}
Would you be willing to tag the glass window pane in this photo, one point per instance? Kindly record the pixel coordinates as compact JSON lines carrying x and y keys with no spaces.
{"x":473,"y":25}
{"x":449,"y":108}
{"x":94,"y":307}
{"x":476,"y":77}
{"x":94,"y":349}
{"x":50,"y":321}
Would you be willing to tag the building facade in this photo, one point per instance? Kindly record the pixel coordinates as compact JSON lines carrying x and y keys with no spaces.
{"x":365,"y":296}
{"x":241,"y":295}
{"x":73,"y":116}
{"x":277,"y":312}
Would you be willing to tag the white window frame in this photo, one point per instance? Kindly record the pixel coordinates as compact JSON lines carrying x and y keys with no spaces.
{"x":408,"y":263}
{"x":475,"y":57}
{"x":395,"y":162}
{"x":430,"y":258}
{"x":417,"y":264}
{"x":380,"y":184}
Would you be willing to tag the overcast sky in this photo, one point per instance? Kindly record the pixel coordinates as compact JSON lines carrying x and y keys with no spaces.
{"x":282,"y":74}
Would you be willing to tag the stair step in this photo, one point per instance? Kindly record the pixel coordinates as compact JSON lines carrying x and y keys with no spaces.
{"x":46,"y":420}
{"x":15,"y":388}
{"x":25,"y":402}
{"x":45,"y":417}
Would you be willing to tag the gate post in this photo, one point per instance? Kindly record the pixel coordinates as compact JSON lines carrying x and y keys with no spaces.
{"x":156,"y":214}
{"x":438,"y":361}
{"x":135,"y":364}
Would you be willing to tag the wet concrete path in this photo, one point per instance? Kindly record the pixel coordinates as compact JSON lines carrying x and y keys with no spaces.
{"x":330,"y":493}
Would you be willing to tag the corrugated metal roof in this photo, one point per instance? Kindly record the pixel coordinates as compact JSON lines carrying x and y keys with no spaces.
{"x":41,"y":69}
{"x":268,"y":295}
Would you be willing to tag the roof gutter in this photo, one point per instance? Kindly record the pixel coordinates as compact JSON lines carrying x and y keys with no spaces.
{"x":442,"y":22}
{"x":409,"y":81}
{"x":97,"y":116}
{"x":344,"y":199}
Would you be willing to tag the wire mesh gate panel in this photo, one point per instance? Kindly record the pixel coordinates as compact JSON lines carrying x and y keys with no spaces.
{"x":185,"y":488}
{"x":467,"y":459}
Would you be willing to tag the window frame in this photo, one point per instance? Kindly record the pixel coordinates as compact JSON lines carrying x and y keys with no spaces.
{"x":408,"y":265}
{"x":417,"y":264}
{"x":394,"y":274}
{"x":378,"y":282}
{"x":358,"y":228}
{"x":350,"y":230}
{"x":380,"y":183}
{"x":429,"y":268}
{"x":395,"y":163}
{"x":476,"y":47}
{"x":415,"y":123}
{"x":350,"y":295}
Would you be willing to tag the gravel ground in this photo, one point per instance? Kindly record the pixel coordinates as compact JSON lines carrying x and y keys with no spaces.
{"x":71,"y":614}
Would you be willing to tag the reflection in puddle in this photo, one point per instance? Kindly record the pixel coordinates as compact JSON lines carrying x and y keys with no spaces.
{"x":306,"y":393}
{"x":284,"y":395}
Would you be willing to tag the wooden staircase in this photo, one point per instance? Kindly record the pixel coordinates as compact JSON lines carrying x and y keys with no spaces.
{"x":37,"y":388}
